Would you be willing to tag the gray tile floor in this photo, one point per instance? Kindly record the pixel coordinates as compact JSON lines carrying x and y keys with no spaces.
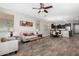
{"x":49,"y":47}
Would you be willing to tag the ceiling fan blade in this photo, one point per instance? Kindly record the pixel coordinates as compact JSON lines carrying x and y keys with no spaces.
{"x":41,"y":5}
{"x":48,"y":7}
{"x":35,"y":8}
{"x":45,"y":11}
{"x":39,"y":11}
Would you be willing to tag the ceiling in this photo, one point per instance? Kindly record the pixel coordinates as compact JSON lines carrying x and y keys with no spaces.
{"x":59,"y":10}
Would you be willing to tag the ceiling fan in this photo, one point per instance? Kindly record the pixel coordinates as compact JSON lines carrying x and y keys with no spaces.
{"x":43,"y":8}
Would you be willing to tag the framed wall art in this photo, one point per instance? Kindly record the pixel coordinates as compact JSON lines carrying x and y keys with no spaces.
{"x":26,"y":23}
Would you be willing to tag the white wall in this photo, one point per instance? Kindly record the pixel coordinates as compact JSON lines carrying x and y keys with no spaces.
{"x":43,"y":30}
{"x":17,"y":28}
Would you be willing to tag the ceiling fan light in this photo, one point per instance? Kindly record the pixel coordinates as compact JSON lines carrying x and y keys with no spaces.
{"x":42,"y":10}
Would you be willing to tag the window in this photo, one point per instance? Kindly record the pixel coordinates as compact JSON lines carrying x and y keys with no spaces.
{"x":6,"y":21}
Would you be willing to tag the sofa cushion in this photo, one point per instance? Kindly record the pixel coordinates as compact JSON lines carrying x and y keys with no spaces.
{"x":29,"y":37}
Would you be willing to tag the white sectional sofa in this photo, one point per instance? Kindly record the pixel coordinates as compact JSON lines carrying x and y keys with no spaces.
{"x":27,"y":37}
{"x":8,"y":47}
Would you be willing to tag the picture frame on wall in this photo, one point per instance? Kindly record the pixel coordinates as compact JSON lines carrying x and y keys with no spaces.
{"x":26,"y":23}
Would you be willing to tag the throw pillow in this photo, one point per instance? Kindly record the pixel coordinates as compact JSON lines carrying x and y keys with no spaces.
{"x":25,"y":34}
{"x":30,"y":34}
{"x":3,"y":39}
